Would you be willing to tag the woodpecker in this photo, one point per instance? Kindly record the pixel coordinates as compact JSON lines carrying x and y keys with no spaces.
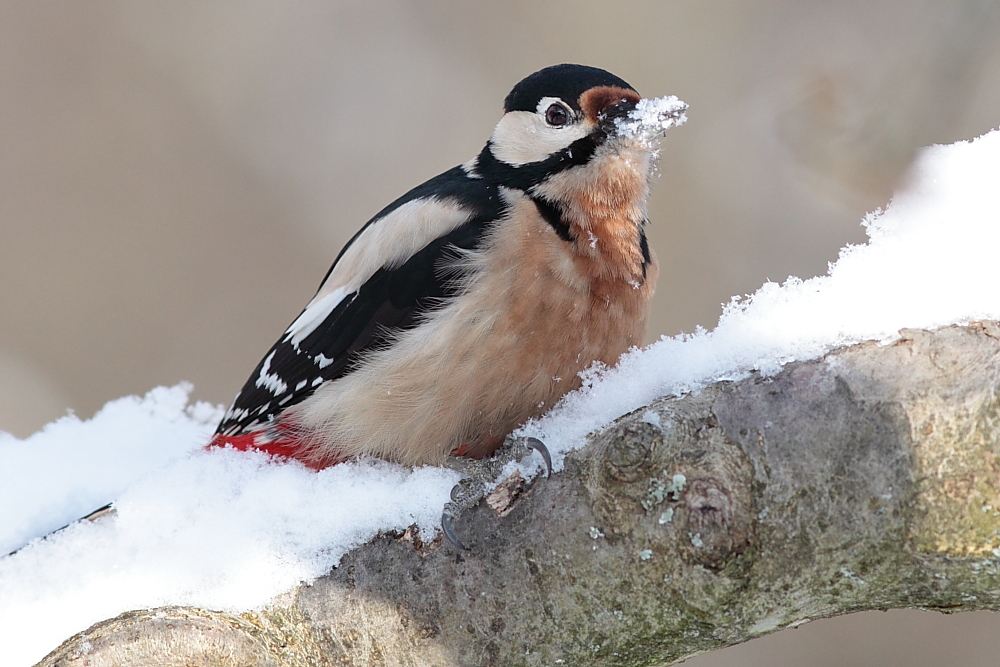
{"x":471,"y":303}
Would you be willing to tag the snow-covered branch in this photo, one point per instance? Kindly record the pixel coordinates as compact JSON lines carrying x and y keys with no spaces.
{"x":751,"y":487}
{"x":866,"y":479}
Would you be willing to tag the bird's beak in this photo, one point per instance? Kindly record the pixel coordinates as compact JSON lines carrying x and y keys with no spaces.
{"x":612,"y":115}
{"x":644,"y":120}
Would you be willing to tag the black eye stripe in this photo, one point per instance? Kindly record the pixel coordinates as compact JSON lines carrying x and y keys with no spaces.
{"x":525,"y":176}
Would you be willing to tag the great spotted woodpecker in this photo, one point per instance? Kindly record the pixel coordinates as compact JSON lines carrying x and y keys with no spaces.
{"x":471,"y":303}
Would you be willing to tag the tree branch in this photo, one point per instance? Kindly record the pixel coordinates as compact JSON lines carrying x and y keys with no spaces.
{"x":869,"y":479}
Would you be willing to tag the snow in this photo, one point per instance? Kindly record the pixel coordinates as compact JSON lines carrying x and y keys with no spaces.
{"x":231,"y":530}
{"x":219,"y":529}
{"x":653,"y":117}
{"x":72,"y":467}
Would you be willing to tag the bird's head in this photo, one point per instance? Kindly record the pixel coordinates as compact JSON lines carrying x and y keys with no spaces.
{"x":563,"y":116}
{"x":578,"y":142}
{"x":557,"y":107}
{"x":570,"y":127}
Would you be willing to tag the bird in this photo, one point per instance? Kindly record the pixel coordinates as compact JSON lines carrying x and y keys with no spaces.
{"x":472,"y":303}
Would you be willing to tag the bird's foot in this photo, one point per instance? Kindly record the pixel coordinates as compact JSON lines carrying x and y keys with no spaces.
{"x":479,"y":474}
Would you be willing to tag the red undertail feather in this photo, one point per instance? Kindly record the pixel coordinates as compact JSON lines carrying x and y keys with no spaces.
{"x":289,"y":447}
{"x":284,"y":447}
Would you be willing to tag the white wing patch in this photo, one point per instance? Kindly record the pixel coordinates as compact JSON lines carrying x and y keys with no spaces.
{"x":471,"y":168}
{"x":388,"y":242}
{"x":314,"y":314}
{"x":269,"y":380}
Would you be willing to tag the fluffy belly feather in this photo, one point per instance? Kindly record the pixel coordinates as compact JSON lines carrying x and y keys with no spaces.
{"x":536,"y":316}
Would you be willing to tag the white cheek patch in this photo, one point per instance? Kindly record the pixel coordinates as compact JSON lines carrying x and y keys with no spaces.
{"x":522,"y":137}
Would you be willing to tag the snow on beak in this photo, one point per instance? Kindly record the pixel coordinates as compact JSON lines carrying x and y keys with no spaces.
{"x":645,"y":120}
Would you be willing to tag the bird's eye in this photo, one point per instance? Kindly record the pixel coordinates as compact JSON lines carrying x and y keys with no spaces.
{"x":557,"y":115}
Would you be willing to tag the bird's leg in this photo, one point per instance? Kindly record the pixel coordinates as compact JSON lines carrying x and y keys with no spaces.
{"x":479,"y":473}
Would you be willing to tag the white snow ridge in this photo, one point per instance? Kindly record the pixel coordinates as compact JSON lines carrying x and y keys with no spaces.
{"x":230,"y":530}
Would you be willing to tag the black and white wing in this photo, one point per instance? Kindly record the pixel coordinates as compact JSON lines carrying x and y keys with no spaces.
{"x":383,"y":281}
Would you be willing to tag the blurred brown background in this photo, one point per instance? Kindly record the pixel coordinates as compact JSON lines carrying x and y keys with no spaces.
{"x":175,"y":178}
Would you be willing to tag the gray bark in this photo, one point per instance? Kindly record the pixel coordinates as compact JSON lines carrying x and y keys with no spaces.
{"x":869,"y":479}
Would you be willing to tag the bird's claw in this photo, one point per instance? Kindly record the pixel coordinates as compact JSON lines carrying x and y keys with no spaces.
{"x":449,"y":531}
{"x":471,"y":489}
{"x":540,"y":447}
{"x":464,"y":495}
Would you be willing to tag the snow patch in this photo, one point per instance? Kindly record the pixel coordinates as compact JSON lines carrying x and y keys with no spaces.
{"x":217,"y":528}
{"x":72,"y":467}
